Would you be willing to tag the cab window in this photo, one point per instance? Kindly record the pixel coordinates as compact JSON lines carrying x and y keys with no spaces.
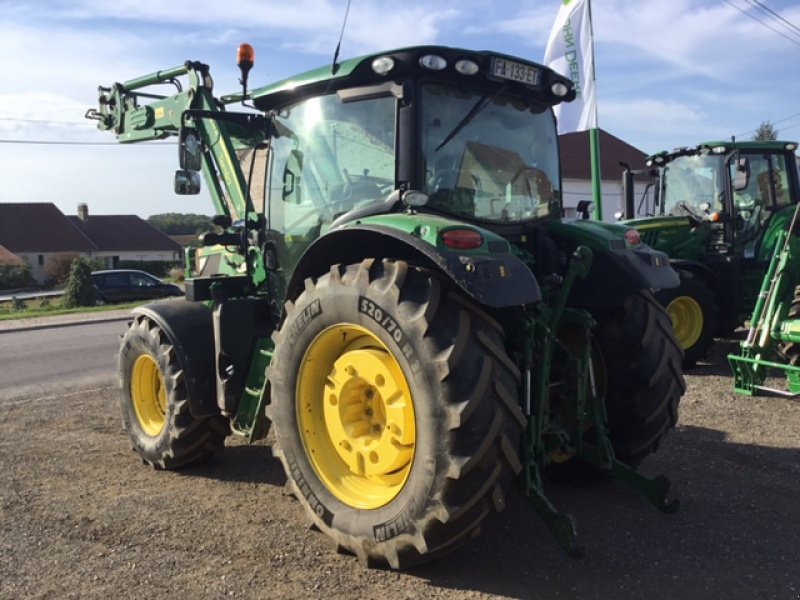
{"x":331,"y":156}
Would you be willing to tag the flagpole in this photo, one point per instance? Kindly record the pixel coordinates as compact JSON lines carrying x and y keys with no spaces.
{"x":594,"y":134}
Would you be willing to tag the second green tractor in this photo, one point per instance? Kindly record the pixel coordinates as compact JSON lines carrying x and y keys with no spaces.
{"x":716,"y":209}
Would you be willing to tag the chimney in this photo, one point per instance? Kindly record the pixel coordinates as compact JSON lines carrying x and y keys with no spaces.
{"x":83,"y":212}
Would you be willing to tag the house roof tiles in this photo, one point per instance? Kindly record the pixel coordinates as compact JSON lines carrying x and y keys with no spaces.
{"x":576,"y":161}
{"x":42,"y":227}
{"x":121,"y":233}
{"x":10,"y":259}
{"x":39,"y":227}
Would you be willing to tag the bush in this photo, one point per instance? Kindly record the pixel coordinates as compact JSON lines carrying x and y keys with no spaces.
{"x":15,"y":276}
{"x":80,"y":289}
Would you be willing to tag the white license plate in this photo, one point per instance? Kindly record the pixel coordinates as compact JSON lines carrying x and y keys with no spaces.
{"x":509,"y":69}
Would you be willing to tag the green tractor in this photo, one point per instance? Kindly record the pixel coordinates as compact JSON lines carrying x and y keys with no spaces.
{"x":772,"y":345}
{"x":391,"y":289}
{"x":716,"y":211}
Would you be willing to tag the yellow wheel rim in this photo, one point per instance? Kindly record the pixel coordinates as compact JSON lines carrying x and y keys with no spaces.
{"x":356,"y":416}
{"x":148,"y":395}
{"x":687,"y":320}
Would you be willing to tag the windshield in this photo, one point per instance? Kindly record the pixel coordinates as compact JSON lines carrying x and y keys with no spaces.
{"x":693,"y":185}
{"x":488,"y":157}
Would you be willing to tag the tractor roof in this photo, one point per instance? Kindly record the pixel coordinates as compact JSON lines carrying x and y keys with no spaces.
{"x":721,"y":147}
{"x":359,"y":71}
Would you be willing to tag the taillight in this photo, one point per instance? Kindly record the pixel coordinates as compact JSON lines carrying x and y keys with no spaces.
{"x":462,"y":239}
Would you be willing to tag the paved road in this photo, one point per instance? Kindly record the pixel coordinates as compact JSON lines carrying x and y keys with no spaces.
{"x":53,"y":360}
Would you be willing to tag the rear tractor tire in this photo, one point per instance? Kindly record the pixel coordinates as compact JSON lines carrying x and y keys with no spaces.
{"x":395,"y":413}
{"x":155,"y":402}
{"x":693,"y":313}
{"x":640,"y":375}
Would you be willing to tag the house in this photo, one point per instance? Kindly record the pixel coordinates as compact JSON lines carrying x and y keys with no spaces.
{"x":576,"y":170}
{"x":124,"y":238}
{"x":45,"y":238}
{"x":9,"y":259}
{"x":42,"y":236}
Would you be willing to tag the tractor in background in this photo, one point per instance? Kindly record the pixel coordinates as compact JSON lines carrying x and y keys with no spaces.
{"x":772,"y":345}
{"x":716,"y":209}
{"x":391,"y":289}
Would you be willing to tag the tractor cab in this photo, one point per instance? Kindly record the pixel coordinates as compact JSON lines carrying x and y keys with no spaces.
{"x":716,"y":211}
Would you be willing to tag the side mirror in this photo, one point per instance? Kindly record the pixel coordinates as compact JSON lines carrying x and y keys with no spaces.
{"x":741,"y":174}
{"x":190,"y":150}
{"x":187,"y":183}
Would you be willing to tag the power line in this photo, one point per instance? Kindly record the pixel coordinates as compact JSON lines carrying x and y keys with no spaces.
{"x":791,"y":127}
{"x":783,"y":120}
{"x":767,"y":25}
{"x":776,"y":16}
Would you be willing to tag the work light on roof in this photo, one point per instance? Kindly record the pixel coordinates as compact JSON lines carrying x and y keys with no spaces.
{"x":791,"y":146}
{"x":383,"y":65}
{"x":466,"y":67}
{"x":434,"y":62}
{"x":718,"y":150}
{"x":559,"y":89}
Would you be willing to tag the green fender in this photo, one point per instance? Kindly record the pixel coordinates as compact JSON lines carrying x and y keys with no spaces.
{"x":492,"y":276}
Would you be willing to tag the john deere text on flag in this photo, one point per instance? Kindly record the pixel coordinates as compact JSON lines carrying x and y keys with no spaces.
{"x":569,"y":51}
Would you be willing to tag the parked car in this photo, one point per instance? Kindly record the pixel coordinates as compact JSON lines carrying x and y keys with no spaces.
{"x":129,"y":285}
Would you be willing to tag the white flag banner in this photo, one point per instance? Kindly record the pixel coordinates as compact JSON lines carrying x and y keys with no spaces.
{"x":569,"y":52}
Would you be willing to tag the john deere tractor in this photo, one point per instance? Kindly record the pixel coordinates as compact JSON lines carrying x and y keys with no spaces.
{"x":772,"y":345}
{"x":716,"y":211}
{"x":391,"y":289}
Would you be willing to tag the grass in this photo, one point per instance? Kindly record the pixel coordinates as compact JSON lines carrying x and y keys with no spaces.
{"x":29,"y":309}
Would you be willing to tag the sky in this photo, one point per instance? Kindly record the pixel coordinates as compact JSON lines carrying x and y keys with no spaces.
{"x":669,"y":73}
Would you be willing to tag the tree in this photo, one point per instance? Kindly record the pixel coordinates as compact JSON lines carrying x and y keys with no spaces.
{"x":180,"y":223}
{"x":766,"y":132}
{"x":80,"y":289}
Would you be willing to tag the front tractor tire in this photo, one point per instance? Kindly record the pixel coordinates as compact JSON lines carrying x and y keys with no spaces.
{"x":155,"y":403}
{"x":641,"y":375}
{"x":693,"y":312}
{"x":395,"y":411}
{"x":790,"y":351}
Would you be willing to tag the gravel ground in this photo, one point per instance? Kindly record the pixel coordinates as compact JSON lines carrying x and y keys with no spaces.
{"x":81,"y":517}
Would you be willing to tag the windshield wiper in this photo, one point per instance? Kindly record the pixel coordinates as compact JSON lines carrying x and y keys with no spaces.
{"x":482,"y":103}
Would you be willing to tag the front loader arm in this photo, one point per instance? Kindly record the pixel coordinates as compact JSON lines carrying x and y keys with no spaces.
{"x":135,"y":114}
